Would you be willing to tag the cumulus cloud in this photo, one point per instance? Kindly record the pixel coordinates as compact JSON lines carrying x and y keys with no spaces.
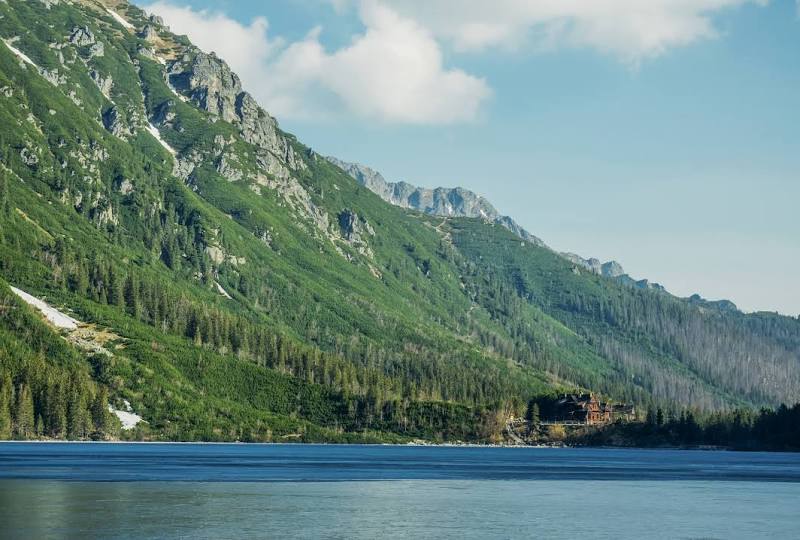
{"x":629,"y":29}
{"x":394,"y":71}
{"x":247,"y":46}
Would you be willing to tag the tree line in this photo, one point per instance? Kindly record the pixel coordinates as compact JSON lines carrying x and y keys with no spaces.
{"x":742,"y":429}
{"x":45,"y":388}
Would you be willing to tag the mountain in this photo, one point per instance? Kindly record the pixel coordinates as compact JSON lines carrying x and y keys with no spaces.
{"x":445,"y":202}
{"x":722,"y":305}
{"x":610,"y":269}
{"x":175,"y":256}
{"x":460,"y":202}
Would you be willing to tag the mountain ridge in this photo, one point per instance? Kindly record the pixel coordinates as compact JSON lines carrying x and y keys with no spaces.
{"x":245,"y":288}
{"x":440,"y":201}
{"x":461,"y":202}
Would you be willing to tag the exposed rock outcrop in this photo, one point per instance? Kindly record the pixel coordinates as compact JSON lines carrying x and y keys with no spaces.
{"x":97,"y":50}
{"x":149,"y":33}
{"x":105,"y":84}
{"x":226,"y":168}
{"x":720,"y":305}
{"x":610,"y":269}
{"x":114,"y":123}
{"x":353,"y":228}
{"x":209,"y":83}
{"x":447,"y":202}
{"x":82,"y":36}
{"x":212,"y":86}
{"x":28,"y":157}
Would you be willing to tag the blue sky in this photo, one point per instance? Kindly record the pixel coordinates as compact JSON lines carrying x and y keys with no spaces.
{"x":667,"y":138}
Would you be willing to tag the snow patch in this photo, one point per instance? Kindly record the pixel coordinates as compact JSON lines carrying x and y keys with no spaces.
{"x":222,"y":291}
{"x":128,"y":418}
{"x":153,"y":130}
{"x":21,"y":55}
{"x":55,"y":317}
{"x":119,"y":19}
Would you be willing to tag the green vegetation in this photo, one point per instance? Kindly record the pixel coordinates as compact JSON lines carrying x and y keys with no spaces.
{"x":640,"y":345}
{"x":45,"y":388}
{"x":741,"y":429}
{"x":229,"y":306}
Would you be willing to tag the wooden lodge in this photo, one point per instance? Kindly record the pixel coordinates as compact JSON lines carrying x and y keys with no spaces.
{"x":581,"y":409}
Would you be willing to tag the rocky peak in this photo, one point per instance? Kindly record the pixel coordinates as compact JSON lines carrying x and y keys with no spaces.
{"x":720,"y":305}
{"x":446,"y":202}
{"x":517,"y":229}
{"x":209,"y":83}
{"x":213,"y":87}
{"x":610,"y":269}
{"x":367,"y":177}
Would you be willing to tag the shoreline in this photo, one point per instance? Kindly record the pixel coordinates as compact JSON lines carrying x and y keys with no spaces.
{"x":399,"y":445}
{"x":704,"y":449}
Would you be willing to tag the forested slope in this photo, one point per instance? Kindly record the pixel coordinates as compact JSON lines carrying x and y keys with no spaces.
{"x":253,"y":290}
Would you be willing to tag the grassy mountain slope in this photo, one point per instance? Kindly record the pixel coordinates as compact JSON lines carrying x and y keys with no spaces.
{"x":258,"y":292}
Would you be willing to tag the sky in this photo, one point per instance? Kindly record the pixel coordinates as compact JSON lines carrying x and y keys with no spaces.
{"x":664,"y":134}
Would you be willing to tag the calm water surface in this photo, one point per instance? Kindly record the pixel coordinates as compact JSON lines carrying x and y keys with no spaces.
{"x":309,"y":491}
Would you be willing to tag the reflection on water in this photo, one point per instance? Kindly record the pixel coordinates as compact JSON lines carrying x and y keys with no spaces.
{"x":276,"y":491}
{"x":399,"y":509}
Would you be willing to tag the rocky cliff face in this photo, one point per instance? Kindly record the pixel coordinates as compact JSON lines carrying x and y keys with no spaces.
{"x":446,"y":202}
{"x":719,"y":305}
{"x":210,"y":84}
{"x":610,"y":269}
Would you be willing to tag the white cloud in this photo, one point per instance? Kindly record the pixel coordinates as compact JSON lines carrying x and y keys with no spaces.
{"x":246,"y":47}
{"x":629,"y":29}
{"x":393,"y":72}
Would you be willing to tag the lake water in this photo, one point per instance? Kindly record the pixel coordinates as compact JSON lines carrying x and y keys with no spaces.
{"x":317,"y":491}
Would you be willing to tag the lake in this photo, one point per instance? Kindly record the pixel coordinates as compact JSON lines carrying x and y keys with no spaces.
{"x":97,"y":490}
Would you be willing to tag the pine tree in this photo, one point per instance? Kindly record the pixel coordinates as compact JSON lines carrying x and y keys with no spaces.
{"x":115,"y":296}
{"x":55,"y":410}
{"x":5,"y":203}
{"x":100,"y":412}
{"x":39,"y":425}
{"x":532,"y":415}
{"x":132,"y":301}
{"x":5,"y":407}
{"x":23,"y":418}
{"x":76,"y":413}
